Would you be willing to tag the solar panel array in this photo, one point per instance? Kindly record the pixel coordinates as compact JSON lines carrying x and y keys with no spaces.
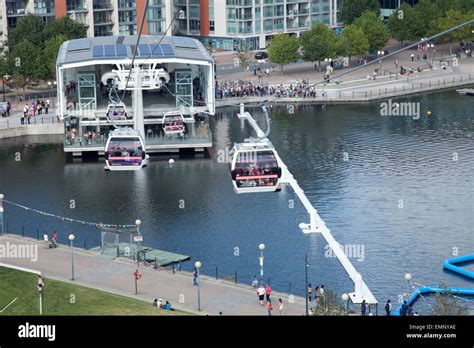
{"x":155,"y":50}
{"x":110,"y":51}
{"x":78,"y":45}
{"x":184,"y":42}
{"x":121,"y":51}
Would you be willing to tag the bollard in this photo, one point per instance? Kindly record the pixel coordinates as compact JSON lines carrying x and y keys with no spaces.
{"x":173,"y":267}
{"x":289,"y":288}
{"x":37,"y":234}
{"x":22,"y":230}
{"x":7,"y":231}
{"x":217,"y":274}
{"x":118,"y":251}
{"x":85,"y":245}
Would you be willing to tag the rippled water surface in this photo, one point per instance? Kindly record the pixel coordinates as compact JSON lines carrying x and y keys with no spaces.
{"x":389,"y":187}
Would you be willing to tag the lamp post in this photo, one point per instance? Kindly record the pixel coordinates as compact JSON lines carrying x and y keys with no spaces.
{"x":431,"y":54}
{"x":198,"y":265}
{"x":3,"y":88}
{"x":262,"y":248}
{"x":379,"y":55}
{"x":408,"y":278}
{"x":71,"y":238}
{"x":306,"y":280}
{"x":345,"y":297}
{"x":138,"y":222}
{"x":1,"y":212}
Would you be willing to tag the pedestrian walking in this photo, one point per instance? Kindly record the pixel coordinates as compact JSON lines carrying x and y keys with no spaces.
{"x":269,"y":308}
{"x":46,"y":240}
{"x":310,"y":292}
{"x":261,"y":294}
{"x":412,"y":56}
{"x":280,"y":306}
{"x":388,"y":308}
{"x":321,"y":290}
{"x":363,"y":308}
{"x":268,"y":292}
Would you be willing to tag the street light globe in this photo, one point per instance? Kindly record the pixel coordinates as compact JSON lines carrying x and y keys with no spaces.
{"x":407,"y":276}
{"x":197,"y":264}
{"x":261,"y":246}
{"x":138,"y":222}
{"x":1,"y":196}
{"x":49,"y":83}
{"x":345,"y":297}
{"x":1,"y":209}
{"x":71,"y":237}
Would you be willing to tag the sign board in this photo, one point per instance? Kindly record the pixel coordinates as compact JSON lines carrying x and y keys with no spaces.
{"x":138,"y":238}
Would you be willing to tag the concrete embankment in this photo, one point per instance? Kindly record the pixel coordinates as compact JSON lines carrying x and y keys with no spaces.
{"x":42,"y":129}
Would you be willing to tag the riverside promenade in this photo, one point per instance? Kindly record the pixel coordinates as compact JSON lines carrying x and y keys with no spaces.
{"x":116,"y":276}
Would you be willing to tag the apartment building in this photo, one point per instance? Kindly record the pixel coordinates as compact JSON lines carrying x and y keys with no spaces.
{"x":222,"y":24}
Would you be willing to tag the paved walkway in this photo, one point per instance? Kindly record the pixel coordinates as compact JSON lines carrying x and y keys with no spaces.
{"x":116,"y":276}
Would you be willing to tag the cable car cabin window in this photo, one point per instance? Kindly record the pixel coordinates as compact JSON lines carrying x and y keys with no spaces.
{"x":173,"y":124}
{"x":125,"y":152}
{"x":256,"y":168}
{"x":116,"y":113}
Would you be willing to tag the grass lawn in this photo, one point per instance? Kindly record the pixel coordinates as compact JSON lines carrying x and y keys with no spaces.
{"x":57,"y":298}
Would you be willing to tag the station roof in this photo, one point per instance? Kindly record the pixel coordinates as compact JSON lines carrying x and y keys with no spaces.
{"x":113,"y":48}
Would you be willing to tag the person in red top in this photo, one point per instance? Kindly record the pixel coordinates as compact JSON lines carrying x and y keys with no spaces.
{"x":55,"y":236}
{"x":268,"y":292}
{"x":270,"y":308}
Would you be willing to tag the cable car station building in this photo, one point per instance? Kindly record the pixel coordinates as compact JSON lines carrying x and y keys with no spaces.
{"x":97,"y":91}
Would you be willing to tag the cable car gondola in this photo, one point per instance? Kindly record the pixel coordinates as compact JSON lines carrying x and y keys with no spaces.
{"x":173,"y":123}
{"x":125,"y":150}
{"x":116,"y":111}
{"x":255,"y":167}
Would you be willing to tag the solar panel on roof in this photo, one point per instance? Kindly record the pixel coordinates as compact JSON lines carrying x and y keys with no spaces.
{"x":98,"y":51}
{"x":109,"y":51}
{"x":78,"y":45}
{"x":167,"y":50}
{"x":184,"y":42}
{"x":121,"y":50}
{"x":144,"y":50}
{"x":156,"y":51}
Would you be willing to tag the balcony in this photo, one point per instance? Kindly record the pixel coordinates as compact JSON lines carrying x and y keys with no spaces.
{"x":16,"y":12}
{"x":102,"y":5}
{"x":76,"y":8}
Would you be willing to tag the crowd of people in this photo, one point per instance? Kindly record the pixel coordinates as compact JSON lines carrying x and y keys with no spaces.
{"x":239,"y":89}
{"x":37,"y":107}
{"x":264,"y":297}
{"x":50,"y":242}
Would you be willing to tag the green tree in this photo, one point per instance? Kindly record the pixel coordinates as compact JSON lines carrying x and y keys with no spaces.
{"x":447,"y":304}
{"x":242,"y":55}
{"x":318,"y":43}
{"x":283,"y":49}
{"x":25,"y":63}
{"x":66,"y":27}
{"x":50,"y":53}
{"x":402,"y":23}
{"x":426,"y":15}
{"x":374,"y":30}
{"x":329,"y":304}
{"x":30,"y":28}
{"x":451,"y":19}
{"x":353,"y":9}
{"x":353,"y":42}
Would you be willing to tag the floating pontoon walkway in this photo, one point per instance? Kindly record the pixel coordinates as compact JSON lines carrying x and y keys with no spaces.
{"x":451,"y":265}
{"x":162,"y":258}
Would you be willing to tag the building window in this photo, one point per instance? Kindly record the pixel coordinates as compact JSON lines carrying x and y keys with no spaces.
{"x":194,"y":25}
{"x":211,"y":26}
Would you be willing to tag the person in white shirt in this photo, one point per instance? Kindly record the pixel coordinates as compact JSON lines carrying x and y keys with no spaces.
{"x":46,"y":240}
{"x":261,"y":294}
{"x":280,"y":307}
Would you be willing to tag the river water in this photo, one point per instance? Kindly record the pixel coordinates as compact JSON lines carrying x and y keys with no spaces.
{"x":397,"y":192}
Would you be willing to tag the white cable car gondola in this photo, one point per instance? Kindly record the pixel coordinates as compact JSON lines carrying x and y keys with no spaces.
{"x":125,"y":150}
{"x":173,"y":123}
{"x":116,"y":111}
{"x":255,"y":168}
